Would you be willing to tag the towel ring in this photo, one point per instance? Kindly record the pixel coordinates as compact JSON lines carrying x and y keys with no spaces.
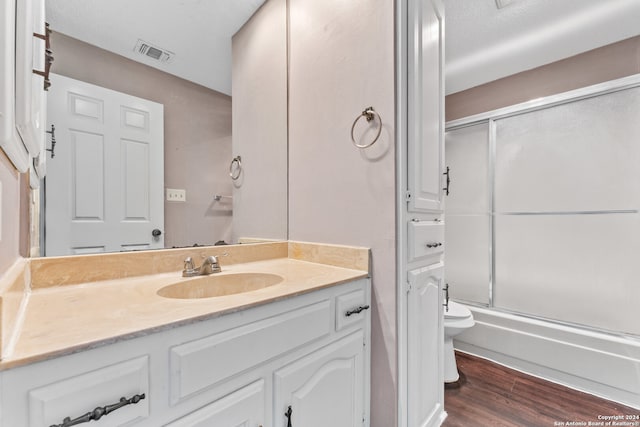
{"x":234,"y":172}
{"x":369,"y":114}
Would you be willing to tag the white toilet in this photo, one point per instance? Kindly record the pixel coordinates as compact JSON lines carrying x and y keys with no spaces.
{"x":456,"y":319}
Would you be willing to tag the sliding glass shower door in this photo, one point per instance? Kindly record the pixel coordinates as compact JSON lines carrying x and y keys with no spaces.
{"x":563,"y":184}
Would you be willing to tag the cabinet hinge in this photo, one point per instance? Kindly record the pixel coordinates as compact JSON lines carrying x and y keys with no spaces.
{"x":407,"y":196}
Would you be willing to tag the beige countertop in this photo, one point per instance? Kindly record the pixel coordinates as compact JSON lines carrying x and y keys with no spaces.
{"x":64,"y":320}
{"x":56,"y":306}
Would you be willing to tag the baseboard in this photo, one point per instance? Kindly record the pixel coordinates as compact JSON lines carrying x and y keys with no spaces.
{"x":604,"y":365}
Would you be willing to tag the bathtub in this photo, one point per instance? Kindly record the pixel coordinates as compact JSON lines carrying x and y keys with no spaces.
{"x":598,"y":363}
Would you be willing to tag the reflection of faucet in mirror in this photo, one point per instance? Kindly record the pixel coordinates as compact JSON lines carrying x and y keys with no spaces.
{"x":209,"y":266}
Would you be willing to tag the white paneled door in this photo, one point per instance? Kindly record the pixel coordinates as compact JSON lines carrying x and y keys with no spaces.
{"x":104,"y":187}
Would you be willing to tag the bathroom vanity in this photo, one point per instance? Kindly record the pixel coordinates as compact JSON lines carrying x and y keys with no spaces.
{"x":292,"y":353}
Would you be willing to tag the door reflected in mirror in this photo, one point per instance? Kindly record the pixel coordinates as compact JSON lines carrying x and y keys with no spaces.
{"x":218,"y":72}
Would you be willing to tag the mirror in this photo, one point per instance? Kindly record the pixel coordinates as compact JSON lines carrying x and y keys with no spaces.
{"x":178,"y":55}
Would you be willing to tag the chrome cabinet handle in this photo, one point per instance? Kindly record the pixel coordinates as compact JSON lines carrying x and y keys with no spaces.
{"x":100,"y":411}
{"x":356,"y":310}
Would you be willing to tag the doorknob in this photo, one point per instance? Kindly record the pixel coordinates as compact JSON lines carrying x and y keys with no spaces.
{"x":156,"y":232}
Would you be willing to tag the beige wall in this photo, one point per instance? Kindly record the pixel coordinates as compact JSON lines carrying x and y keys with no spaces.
{"x":197,"y":131}
{"x":342,"y":61}
{"x":596,"y":66}
{"x":259,"y":88}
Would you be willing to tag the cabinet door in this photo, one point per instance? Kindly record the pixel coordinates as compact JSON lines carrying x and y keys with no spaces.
{"x":325,"y":388}
{"x":30,"y":110}
{"x":242,"y":408}
{"x":425,"y":345}
{"x":9,"y":139}
{"x":426,"y":112}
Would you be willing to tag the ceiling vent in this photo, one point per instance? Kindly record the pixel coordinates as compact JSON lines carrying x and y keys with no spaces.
{"x":153,"y":52}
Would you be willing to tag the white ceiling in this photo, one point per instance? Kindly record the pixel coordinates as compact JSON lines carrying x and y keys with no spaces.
{"x":197,"y":31}
{"x":483,"y":43}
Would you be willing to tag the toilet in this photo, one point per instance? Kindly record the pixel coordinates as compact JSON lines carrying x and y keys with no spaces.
{"x":457,"y":319}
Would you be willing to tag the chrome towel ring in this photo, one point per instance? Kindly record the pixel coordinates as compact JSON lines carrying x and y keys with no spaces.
{"x":235,"y":171}
{"x":369,"y":114}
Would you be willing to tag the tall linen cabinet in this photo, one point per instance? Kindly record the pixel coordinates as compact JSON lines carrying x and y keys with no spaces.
{"x":424,"y":183}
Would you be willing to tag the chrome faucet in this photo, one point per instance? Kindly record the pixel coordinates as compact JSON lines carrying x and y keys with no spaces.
{"x":209,"y":266}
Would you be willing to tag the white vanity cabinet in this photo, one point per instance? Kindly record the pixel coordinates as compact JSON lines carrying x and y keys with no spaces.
{"x":310,"y":352}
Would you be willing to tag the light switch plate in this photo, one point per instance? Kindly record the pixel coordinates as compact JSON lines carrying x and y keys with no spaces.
{"x":176,"y":195}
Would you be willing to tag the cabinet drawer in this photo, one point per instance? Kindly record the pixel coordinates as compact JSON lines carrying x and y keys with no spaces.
{"x":426,"y":239}
{"x":200,"y":364}
{"x":351,"y":308}
{"x":75,"y":396}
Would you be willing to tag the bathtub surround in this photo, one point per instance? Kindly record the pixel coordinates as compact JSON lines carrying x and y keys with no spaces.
{"x":609,"y":364}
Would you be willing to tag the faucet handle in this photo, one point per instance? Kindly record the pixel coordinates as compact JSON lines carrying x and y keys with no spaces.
{"x":211,"y":259}
{"x":210,"y":265}
{"x":188,"y":263}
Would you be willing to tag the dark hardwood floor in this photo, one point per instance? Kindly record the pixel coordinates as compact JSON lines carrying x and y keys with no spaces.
{"x":492,"y":395}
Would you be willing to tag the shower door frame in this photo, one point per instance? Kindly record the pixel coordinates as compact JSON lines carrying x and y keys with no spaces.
{"x":490,"y":118}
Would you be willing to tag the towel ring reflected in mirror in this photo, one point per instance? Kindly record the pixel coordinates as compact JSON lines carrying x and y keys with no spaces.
{"x":235,"y":168}
{"x":369,"y":114}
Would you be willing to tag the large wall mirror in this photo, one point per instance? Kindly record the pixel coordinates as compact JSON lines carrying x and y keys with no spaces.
{"x":209,"y":80}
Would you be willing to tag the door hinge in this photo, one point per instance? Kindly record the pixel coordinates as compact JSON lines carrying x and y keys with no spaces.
{"x":408,"y":286}
{"x":407,"y":196}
